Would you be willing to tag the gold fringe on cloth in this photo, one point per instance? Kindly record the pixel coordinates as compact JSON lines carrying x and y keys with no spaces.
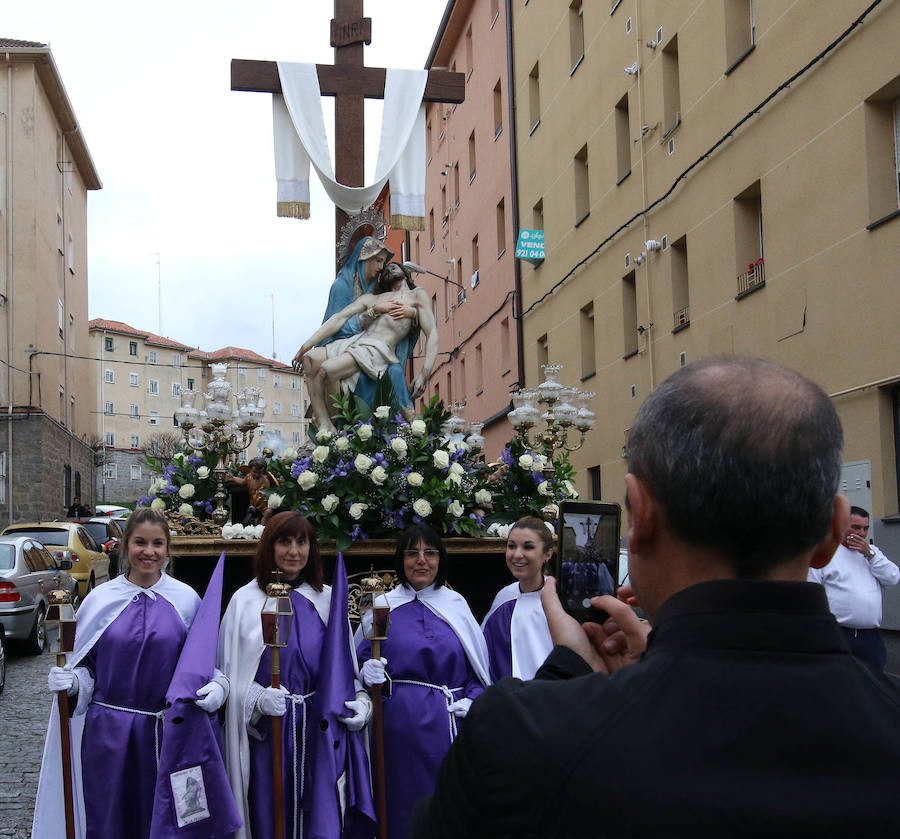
{"x":408,"y":222}
{"x":295,"y":209}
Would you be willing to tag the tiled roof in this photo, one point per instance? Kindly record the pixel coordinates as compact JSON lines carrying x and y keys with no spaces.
{"x":239,"y":354}
{"x":124,"y":328}
{"x":12,"y":43}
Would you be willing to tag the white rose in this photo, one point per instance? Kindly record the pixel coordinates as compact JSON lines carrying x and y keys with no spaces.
{"x":307,"y":480}
{"x":185,"y":510}
{"x":186,"y":491}
{"x":238,"y":529}
{"x":526,"y":461}
{"x":455,"y":508}
{"x":414,"y":479}
{"x":398,"y":444}
{"x":228,"y":532}
{"x":151,"y":491}
{"x":456,"y":469}
{"x":203,"y":472}
{"x":364,"y":432}
{"x":362,"y":463}
{"x":503,"y":530}
{"x":441,"y":459}
{"x":379,"y":475}
{"x":418,"y":428}
{"x":323,"y":436}
{"x":544,"y":488}
{"x":357,"y":509}
{"x":329,"y":502}
{"x":289,"y":454}
{"x":422,"y":507}
{"x":342,"y":444}
{"x":482,"y":496}
{"x":570,"y":489}
{"x":275,"y":501}
{"x":178,"y":457}
{"x":383,"y":411}
{"x":453,"y":479}
{"x":540,"y":461}
{"x":254,"y":532}
{"x":320,"y":454}
{"x":158,"y":504}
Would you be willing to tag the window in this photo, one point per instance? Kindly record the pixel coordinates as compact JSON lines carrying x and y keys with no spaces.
{"x":594,"y":482}
{"x":276,"y":380}
{"x":623,"y":140}
{"x":70,"y":252}
{"x":151,"y":356}
{"x":479,"y":370}
{"x":109,"y":376}
{"x":882,"y":137}
{"x":242,"y":371}
{"x":60,"y":317}
{"x":134,"y":410}
{"x":153,"y":387}
{"x":276,"y":408}
{"x":135,"y":441}
{"x":176,"y":359}
{"x":295,"y":436}
{"x":71,"y":333}
{"x":109,"y":408}
{"x":190,"y":384}
{"x":109,"y":438}
{"x":132,"y":348}
{"x":576,"y":34}
{"x":456,"y":184}
{"x":681,"y":299}
{"x":461,"y":378}
{"x":175,"y":422}
{"x":154,"y":418}
{"x":498,"y":110}
{"x":501,"y":228}
{"x":135,"y":473}
{"x":629,"y":315}
{"x":495,"y":13}
{"x":108,"y":344}
{"x":261,"y":373}
{"x":474,"y":259}
{"x":504,"y":345}
{"x":671,"y":87}
{"x":110,"y":471}
{"x":133,"y":379}
{"x":582,"y":186}
{"x":295,"y":384}
{"x":588,"y":351}
{"x":740,"y":31}
{"x":537,"y":215}
{"x":469,"y":65}
{"x":428,"y":140}
{"x":434,"y":307}
{"x":543,"y":351}
{"x":472,"y":166}
{"x":295,"y":409}
{"x":176,"y":388}
{"x":2,"y":477}
{"x":534,"y":97}
{"x":445,"y":213}
{"x":748,"y":240}
{"x":460,"y":292}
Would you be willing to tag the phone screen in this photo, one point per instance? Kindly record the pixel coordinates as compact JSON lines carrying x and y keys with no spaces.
{"x":587,"y":556}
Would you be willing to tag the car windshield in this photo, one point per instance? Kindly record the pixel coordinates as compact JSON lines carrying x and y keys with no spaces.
{"x":45,"y":537}
{"x":97,"y":529}
{"x":7,"y":557}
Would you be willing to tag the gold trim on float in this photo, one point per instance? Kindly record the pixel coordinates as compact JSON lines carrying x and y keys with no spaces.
{"x":408,"y":222}
{"x":293,"y":209}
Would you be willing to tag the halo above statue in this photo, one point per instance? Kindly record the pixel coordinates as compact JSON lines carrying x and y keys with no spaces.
{"x":368,"y":222}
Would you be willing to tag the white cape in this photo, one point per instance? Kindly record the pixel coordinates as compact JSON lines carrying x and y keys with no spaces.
{"x":529,"y":633}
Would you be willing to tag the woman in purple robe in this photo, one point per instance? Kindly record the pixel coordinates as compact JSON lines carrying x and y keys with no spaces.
{"x":288,"y":543}
{"x":129,"y":636}
{"x":516,"y":631}
{"x":434,"y":664}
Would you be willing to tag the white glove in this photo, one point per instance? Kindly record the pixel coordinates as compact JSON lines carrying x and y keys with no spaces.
{"x":460,"y":708}
{"x":272,"y":702}
{"x":362,"y":710}
{"x":372,"y":672}
{"x":60,"y":679}
{"x":213,"y":695}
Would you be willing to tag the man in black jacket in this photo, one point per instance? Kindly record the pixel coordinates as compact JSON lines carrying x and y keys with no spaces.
{"x":743,"y":713}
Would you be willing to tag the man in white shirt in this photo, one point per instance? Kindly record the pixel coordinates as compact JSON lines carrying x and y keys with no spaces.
{"x":853,"y":581}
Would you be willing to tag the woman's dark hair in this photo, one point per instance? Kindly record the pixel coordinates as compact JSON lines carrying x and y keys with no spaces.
{"x":430,"y":539}
{"x":292,"y":525}
{"x":538,"y":526}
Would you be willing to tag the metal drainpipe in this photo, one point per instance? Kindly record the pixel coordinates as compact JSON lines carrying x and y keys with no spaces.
{"x":514,"y":199}
{"x":8,"y":290}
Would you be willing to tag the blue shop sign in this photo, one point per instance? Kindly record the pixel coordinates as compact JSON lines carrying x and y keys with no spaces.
{"x":531,"y":246}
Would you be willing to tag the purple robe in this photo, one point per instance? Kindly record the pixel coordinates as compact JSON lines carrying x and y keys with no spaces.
{"x":498,"y":635}
{"x":421,"y":647}
{"x":132,"y":663}
{"x":299,"y":675}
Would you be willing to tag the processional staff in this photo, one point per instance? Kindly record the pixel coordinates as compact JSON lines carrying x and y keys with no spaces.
{"x":375,"y":617}
{"x":61,"y":613}
{"x":277,"y":615}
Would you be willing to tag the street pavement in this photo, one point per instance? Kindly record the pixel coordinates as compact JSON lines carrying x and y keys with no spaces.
{"x":24,"y":711}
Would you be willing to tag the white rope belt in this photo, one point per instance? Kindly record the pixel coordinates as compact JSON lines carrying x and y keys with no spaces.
{"x":448,"y":696}
{"x":295,"y":700}
{"x":158,"y":714}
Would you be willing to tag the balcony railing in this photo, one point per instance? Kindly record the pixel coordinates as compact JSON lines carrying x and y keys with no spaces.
{"x":682,"y":316}
{"x":754,"y":276}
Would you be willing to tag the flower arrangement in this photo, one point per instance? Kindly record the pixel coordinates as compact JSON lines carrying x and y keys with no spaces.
{"x":186,"y":486}
{"x":379,"y":474}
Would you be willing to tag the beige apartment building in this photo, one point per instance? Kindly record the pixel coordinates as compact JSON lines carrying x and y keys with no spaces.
{"x":469,"y":225}
{"x":715,"y":177}
{"x":46,"y":389}
{"x":140,"y":382}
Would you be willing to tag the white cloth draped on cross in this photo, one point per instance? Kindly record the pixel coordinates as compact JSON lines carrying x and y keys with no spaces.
{"x":300,"y":138}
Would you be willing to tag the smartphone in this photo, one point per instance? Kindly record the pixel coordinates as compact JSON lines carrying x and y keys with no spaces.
{"x":586,"y":564}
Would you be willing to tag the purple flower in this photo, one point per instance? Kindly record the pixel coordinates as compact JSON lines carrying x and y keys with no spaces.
{"x":506,"y":457}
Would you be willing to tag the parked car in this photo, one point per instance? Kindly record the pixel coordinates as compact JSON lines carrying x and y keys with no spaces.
{"x":69,"y":541}
{"x":28,"y":573}
{"x":107,"y":533}
{"x":110,"y":510}
{"x":2,"y":659}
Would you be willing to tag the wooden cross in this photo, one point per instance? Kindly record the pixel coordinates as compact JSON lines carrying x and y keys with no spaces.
{"x":350,"y":82}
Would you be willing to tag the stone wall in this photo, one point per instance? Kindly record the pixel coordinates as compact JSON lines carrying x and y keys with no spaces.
{"x":42,"y":449}
{"x":123,"y":489}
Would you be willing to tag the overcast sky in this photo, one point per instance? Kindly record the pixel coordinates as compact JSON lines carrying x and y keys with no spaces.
{"x":187,"y":164}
